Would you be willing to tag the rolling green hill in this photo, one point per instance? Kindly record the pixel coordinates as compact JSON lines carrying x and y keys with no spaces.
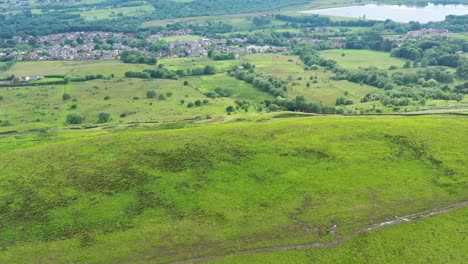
{"x":142,"y":196}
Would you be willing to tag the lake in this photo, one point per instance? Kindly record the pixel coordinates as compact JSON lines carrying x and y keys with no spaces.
{"x":399,"y":13}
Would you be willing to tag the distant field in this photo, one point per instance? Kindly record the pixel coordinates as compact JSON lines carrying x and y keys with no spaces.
{"x":463,"y":36}
{"x":109,"y":13}
{"x":72,"y":68}
{"x":188,"y":63}
{"x":182,"y":38}
{"x":355,"y":59}
{"x":241,"y":90}
{"x":44,"y":104}
{"x":163,"y":196}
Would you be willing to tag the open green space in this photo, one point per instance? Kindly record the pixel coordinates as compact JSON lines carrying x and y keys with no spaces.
{"x":354,"y":59}
{"x":162,"y":196}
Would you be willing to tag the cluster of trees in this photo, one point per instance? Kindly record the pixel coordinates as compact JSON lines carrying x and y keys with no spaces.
{"x":219,"y":92}
{"x":175,"y":9}
{"x":87,"y":78}
{"x":301,"y":104}
{"x":163,"y":73}
{"x":268,"y":83}
{"x":434,"y":51}
{"x":7,"y":65}
{"x":221,"y":56}
{"x":408,"y":96}
{"x":321,"y":21}
{"x":452,"y":23}
{"x":136,"y":57}
{"x":372,"y":40}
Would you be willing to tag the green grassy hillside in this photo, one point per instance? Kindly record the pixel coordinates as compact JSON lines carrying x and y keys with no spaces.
{"x":162,"y":196}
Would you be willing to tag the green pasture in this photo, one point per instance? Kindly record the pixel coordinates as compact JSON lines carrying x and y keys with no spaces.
{"x":241,"y":90}
{"x":115,"y":12}
{"x":354,"y":59}
{"x":44,"y":104}
{"x":182,"y":38}
{"x":72,"y":68}
{"x":162,"y":196}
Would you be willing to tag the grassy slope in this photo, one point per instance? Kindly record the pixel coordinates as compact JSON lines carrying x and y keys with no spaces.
{"x":176,"y":194}
{"x":436,"y":240}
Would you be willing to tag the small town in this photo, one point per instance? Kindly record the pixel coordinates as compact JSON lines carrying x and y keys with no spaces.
{"x":108,"y":46}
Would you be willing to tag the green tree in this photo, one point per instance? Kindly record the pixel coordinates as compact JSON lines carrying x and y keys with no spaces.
{"x":462,"y":71}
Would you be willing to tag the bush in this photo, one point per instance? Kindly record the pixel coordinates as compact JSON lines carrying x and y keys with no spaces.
{"x":182,"y":101}
{"x":186,"y":83}
{"x":198,"y":102}
{"x":74,"y":119}
{"x":150,"y":94}
{"x":190,"y":105}
{"x":66,"y":96}
{"x":230,"y":109}
{"x":103,"y":117}
{"x":169,"y":94}
{"x":162,"y":97}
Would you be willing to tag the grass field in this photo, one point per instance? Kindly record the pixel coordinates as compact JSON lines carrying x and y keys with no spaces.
{"x":44,"y":104}
{"x":161,"y":196}
{"x":116,"y":12}
{"x":72,"y":68}
{"x":355,"y":59}
{"x":182,"y":38}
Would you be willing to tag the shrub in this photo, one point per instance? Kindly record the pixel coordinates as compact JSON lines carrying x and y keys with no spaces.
{"x":103,"y":117}
{"x":66,"y":96}
{"x":190,"y":105}
{"x":169,"y":94}
{"x":182,"y":101}
{"x":162,"y":97}
{"x":74,"y":119}
{"x":198,"y":102}
{"x":186,"y":83}
{"x":106,"y":97}
{"x":150,"y":94}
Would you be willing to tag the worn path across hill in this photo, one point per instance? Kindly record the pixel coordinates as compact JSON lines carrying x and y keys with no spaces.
{"x":402,"y":219}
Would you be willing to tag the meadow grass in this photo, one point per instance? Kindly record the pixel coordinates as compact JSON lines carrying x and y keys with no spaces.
{"x":160,"y":196}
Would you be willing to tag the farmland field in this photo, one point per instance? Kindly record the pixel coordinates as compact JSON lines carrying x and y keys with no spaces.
{"x":354,"y":59}
{"x":152,"y":195}
{"x":72,"y":68}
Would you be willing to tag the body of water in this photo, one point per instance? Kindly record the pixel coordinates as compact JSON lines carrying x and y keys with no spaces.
{"x":399,"y":13}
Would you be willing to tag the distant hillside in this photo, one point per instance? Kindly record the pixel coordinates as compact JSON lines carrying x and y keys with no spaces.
{"x":163,"y":196}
